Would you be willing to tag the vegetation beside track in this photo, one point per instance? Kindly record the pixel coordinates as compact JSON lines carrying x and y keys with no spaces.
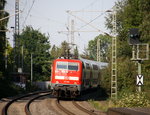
{"x":9,"y":89}
{"x":125,"y":100}
{"x":133,"y":100}
{"x":129,"y":14}
{"x":103,"y":105}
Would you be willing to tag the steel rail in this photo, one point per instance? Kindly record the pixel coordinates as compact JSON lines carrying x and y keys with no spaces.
{"x":27,"y":107}
{"x":63,"y":109}
{"x":5,"y":108}
{"x":83,"y":109}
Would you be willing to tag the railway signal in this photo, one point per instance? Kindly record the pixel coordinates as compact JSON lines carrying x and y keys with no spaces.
{"x":140,"y":52}
{"x":134,"y":36}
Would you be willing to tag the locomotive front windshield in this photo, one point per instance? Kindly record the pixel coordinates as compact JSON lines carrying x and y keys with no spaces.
{"x":68,"y":66}
{"x":61,"y":65}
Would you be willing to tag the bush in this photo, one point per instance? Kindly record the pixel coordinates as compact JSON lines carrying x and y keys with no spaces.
{"x":133,"y":100}
{"x":103,"y":106}
{"x":8,"y":89}
{"x":31,"y":87}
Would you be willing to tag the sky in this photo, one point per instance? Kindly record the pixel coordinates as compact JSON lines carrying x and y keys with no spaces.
{"x":50,"y":17}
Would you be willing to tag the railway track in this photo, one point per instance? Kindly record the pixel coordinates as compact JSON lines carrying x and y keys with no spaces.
{"x":66,"y":107}
{"x":76,"y":108}
{"x":82,"y":108}
{"x":63,"y":108}
{"x":27,"y":111}
{"x":27,"y":107}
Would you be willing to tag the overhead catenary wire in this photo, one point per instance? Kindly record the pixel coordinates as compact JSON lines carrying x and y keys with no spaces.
{"x":46,"y":18}
{"x":82,"y":20}
{"x":91,"y":20}
{"x":89,"y":23}
{"x":24,"y":6}
{"x":92,"y":3}
{"x":28,"y":13}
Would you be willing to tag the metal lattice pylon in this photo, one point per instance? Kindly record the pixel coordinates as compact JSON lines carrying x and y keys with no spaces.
{"x":114,"y":59}
{"x":72,"y":36}
{"x":16,"y":39}
{"x":98,"y":50}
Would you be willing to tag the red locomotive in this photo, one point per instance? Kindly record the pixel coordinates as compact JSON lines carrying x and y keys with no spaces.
{"x":72,"y":76}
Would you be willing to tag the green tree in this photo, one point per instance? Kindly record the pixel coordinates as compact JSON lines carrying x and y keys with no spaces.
{"x":3,"y":26}
{"x":145,"y":25}
{"x":85,"y":54}
{"x":105,"y":42}
{"x":54,"y":52}
{"x":64,"y":48}
{"x":37,"y":44}
{"x":76,"y":52}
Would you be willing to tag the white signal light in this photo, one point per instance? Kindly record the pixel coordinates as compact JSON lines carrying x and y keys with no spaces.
{"x":59,"y":77}
{"x":73,"y":78}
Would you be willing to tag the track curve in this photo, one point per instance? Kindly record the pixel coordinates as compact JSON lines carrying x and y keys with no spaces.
{"x":5,"y":108}
{"x":72,"y":108}
{"x":27,"y":107}
{"x":83,"y":109}
{"x":63,"y":108}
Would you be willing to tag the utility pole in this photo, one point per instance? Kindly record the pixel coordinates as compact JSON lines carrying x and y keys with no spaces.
{"x":16,"y":36}
{"x":114,"y":59}
{"x":72,"y":32}
{"x":6,"y":54}
{"x":72,"y":36}
{"x":17,"y":18}
{"x":14,"y":63}
{"x":31,"y":69}
{"x":98,"y":50}
{"x":22,"y":57}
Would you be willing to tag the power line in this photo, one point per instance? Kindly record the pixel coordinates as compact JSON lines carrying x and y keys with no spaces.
{"x":24,"y":6}
{"x":91,"y":21}
{"x":28,"y":12}
{"x":89,"y":5}
{"x":49,"y":19}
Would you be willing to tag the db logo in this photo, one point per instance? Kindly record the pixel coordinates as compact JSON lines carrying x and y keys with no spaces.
{"x":66,"y":78}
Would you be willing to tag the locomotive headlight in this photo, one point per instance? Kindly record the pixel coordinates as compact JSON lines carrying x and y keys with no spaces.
{"x":75,"y":82}
{"x":57,"y":81}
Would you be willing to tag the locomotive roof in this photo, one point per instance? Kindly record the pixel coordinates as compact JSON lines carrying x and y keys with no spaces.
{"x":101,"y":65}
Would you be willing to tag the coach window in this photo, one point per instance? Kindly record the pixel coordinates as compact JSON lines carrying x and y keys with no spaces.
{"x":87,"y":66}
{"x":95,"y":67}
{"x":73,"y":66}
{"x":62,"y":65}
